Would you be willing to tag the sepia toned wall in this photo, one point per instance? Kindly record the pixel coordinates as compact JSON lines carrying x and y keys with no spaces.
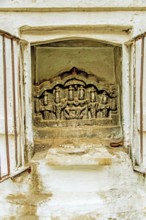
{"x":41,"y":22}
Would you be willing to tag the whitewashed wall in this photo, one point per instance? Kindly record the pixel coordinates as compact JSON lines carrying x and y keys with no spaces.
{"x":47,"y":21}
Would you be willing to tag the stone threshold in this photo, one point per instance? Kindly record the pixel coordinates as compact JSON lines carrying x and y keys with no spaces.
{"x":70,"y":154}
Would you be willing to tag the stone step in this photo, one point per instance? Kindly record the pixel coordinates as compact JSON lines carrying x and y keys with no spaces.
{"x":77,"y":132}
{"x":77,"y":192}
{"x":78,"y":173}
{"x":69,"y":154}
{"x":70,"y":191}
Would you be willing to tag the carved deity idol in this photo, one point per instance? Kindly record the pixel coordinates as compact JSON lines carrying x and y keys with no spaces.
{"x":81,"y":93}
{"x":48,"y":109}
{"x":70,"y":93}
{"x":45,"y":98}
{"x":58,"y":106}
{"x":104,"y":106}
{"x":92,"y":106}
{"x":92,"y":94}
{"x":57,"y":94}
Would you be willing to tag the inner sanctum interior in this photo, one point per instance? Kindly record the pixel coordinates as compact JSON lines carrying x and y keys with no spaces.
{"x":76,"y":92}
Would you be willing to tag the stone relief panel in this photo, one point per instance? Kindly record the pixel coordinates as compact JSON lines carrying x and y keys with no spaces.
{"x":75,"y":98}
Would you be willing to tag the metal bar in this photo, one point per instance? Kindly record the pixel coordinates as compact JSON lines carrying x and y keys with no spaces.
{"x":4,"y":178}
{"x":9,"y":36}
{"x":141,"y":98}
{"x":14,"y":100}
{"x":134,"y":99}
{"x":139,"y":36}
{"x":129,"y":42}
{"x":22,"y":101}
{"x":6,"y":107}
{"x":20,"y":106}
{"x":22,"y":170}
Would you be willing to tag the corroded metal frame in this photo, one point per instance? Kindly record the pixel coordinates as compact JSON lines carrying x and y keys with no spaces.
{"x":12,"y":39}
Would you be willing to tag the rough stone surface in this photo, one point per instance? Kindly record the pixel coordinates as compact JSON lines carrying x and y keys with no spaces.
{"x":75,"y":192}
{"x":68,"y":154}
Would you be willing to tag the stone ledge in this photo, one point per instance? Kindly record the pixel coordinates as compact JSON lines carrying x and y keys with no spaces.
{"x":78,"y":152}
{"x":77,"y":161}
{"x":68,"y":5}
{"x":78,"y":132}
{"x":70,"y":155}
{"x":96,"y":28}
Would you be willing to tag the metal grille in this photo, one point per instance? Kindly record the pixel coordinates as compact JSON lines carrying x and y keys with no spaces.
{"x":138,"y":80}
{"x":11,"y":105}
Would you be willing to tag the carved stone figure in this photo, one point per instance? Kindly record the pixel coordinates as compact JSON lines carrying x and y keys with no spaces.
{"x":45,"y":98}
{"x":71,"y":93}
{"x":104,"y":106}
{"x":92,"y":105}
{"x":92,"y":94}
{"x":57,"y":95}
{"x":81,"y":93}
{"x":74,"y":95}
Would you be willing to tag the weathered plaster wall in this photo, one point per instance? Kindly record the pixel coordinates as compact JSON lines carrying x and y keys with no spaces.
{"x":114,"y":192}
{"x":72,"y":4}
{"x":116,"y":27}
{"x":52,"y":61}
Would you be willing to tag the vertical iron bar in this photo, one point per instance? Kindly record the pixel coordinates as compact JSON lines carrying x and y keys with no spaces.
{"x":20,"y":104}
{"x":134,"y":93}
{"x":6,"y":107}
{"x":14,"y":100}
{"x":141,"y":98}
{"x":33,"y":56}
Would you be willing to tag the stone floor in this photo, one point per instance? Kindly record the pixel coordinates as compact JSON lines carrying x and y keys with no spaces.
{"x":73,"y":190}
